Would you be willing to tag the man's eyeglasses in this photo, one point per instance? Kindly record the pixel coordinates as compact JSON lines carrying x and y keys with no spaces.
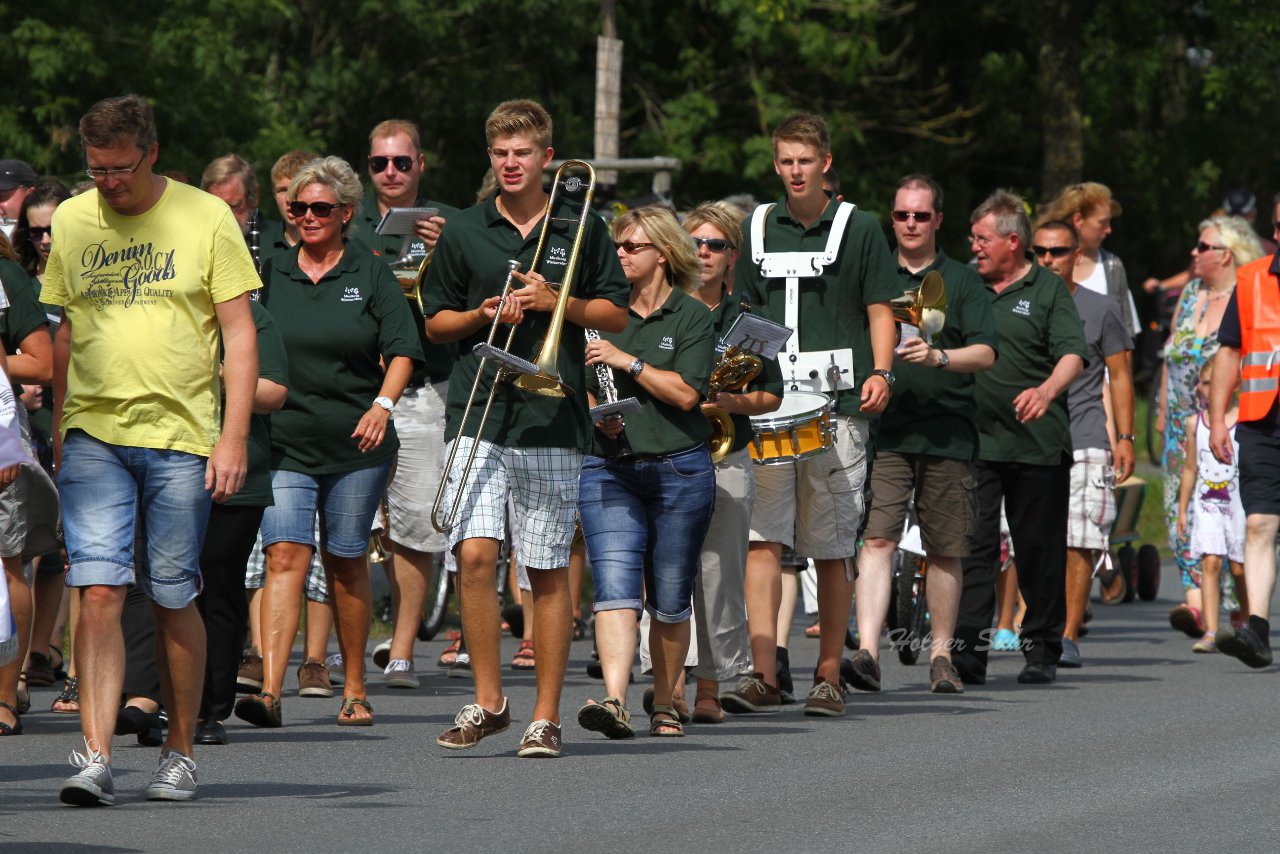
{"x":630,"y":247}
{"x":322,"y":210}
{"x":37,"y":232}
{"x":918,"y":216}
{"x":715,"y":244}
{"x":1054,"y":251}
{"x":102,"y":174}
{"x":402,"y":162}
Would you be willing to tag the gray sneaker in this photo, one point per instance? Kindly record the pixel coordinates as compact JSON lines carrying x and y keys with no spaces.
{"x":175,"y":779}
{"x":91,"y":786}
{"x":399,"y":674}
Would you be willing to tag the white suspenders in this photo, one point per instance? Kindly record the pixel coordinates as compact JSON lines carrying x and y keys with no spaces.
{"x":817,"y":371}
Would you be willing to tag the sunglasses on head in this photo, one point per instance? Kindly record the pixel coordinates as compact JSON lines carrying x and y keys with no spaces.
{"x":1055,"y":251}
{"x":715,"y":244}
{"x":402,"y":162}
{"x":322,"y":210}
{"x":37,"y":232}
{"x":918,"y":216}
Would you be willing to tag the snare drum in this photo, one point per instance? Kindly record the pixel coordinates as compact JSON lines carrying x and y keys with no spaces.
{"x":799,"y":429}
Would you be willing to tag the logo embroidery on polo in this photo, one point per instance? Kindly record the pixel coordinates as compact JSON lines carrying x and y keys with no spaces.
{"x":350,"y":294}
{"x":1023,"y":308}
{"x":720,"y":345}
{"x":668,"y":343}
{"x":558,"y":255}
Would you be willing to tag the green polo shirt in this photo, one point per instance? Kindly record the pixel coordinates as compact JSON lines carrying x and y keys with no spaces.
{"x":1036,"y":325}
{"x":833,"y":306}
{"x":273,"y":365}
{"x":933,"y":411}
{"x":24,"y":314}
{"x":335,"y":332}
{"x":769,"y":379}
{"x":469,"y":266}
{"x":271,"y":241}
{"x":439,"y":358}
{"x":678,"y":337}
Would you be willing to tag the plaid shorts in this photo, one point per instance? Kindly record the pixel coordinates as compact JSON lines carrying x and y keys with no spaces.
{"x":543,"y":485}
{"x":256,"y":573}
{"x":1092,"y":508}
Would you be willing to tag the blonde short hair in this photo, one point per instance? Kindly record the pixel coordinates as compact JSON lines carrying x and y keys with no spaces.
{"x":391,"y":127}
{"x":804,"y":128}
{"x":1237,"y":235}
{"x":336,"y":174}
{"x":675,"y":244}
{"x":289,"y":164}
{"x":720,"y":216}
{"x":519,"y":118}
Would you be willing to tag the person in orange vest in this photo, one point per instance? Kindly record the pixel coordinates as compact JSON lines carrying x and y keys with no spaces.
{"x":1250,"y":356}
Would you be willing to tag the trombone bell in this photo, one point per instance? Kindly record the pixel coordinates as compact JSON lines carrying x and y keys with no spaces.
{"x":925,"y":307}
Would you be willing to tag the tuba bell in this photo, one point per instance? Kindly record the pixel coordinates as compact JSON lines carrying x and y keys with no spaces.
{"x":734,"y":370}
{"x":924,"y":307}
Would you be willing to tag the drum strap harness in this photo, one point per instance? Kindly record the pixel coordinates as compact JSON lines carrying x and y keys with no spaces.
{"x":809,"y":371}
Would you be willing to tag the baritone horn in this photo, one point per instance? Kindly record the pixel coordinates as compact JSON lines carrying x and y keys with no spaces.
{"x":735,"y":369}
{"x":411,"y":279}
{"x":924,"y":307}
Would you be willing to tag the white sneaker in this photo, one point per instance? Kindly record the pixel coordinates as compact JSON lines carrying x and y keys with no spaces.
{"x":399,"y":674}
{"x":462,"y":667}
{"x":175,"y":779}
{"x":337,"y":674}
{"x":382,"y":654}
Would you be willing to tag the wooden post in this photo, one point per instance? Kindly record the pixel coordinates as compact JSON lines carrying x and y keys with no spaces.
{"x":608,"y":91}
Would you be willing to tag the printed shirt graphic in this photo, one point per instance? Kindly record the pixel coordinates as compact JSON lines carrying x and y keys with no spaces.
{"x":139,"y":292}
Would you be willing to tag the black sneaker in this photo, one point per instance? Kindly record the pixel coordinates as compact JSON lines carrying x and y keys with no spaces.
{"x":1038,"y":673}
{"x":861,"y":671}
{"x":1243,"y":643}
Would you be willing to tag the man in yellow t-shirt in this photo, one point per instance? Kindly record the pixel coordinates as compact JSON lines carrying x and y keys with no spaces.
{"x":149,"y":272}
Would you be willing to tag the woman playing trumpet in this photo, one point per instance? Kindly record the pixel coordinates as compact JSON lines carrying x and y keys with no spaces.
{"x":645,"y":519}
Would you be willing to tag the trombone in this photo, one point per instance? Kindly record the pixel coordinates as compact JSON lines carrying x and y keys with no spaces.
{"x":540,"y":376}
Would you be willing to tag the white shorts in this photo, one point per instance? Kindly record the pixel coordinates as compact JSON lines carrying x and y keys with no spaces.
{"x":419,"y":421}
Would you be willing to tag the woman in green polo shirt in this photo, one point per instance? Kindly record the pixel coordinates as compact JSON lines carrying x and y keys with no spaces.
{"x":644,"y":519}
{"x":342,"y":317}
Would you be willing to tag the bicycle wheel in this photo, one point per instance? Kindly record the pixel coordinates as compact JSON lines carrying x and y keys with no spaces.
{"x":434,"y":620}
{"x":910,"y":611}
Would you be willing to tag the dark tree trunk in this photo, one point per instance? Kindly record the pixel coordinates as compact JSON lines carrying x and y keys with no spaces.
{"x":1060,"y":95}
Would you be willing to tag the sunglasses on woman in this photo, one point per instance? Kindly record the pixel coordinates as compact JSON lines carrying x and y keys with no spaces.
{"x":715,"y":244}
{"x":402,"y":162}
{"x":631,"y":247}
{"x":322,"y":210}
{"x":37,"y":232}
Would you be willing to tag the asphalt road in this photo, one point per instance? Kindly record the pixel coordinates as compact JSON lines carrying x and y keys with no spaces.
{"x":1148,"y":748}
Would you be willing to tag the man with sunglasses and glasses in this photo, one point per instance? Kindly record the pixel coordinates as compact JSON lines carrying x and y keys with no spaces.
{"x":1024,"y":446}
{"x":151,"y":275}
{"x":396,"y":165}
{"x":815,"y":506}
{"x":927,"y":444}
{"x":1099,"y":459}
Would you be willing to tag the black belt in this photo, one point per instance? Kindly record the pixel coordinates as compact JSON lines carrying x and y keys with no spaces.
{"x":416,"y":384}
{"x":656,"y":458}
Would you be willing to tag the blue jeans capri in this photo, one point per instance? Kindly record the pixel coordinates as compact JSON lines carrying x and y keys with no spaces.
{"x":345,"y":501}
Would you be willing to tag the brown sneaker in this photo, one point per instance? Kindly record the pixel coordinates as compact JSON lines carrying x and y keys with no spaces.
{"x":542,"y":738}
{"x":473,"y":723}
{"x":313,"y":680}
{"x":944,"y":678}
{"x":752,"y":694}
{"x":825,"y":700}
{"x":249,"y":676}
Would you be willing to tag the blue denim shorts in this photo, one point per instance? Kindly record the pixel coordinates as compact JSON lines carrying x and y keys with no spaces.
{"x":346,"y":503}
{"x":644,"y":523}
{"x":112,"y":493}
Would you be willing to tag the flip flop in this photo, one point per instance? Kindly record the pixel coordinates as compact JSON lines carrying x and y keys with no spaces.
{"x":346,"y":715}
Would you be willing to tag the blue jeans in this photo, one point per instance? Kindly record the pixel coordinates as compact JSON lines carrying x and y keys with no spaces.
{"x":644,"y":523}
{"x":104,"y":488}
{"x":346,"y":502}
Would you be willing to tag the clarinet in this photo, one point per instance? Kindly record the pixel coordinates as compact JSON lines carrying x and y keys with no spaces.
{"x":604,"y":378}
{"x":253,"y":239}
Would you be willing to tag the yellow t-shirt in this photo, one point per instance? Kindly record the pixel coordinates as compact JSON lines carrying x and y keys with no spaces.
{"x":140,"y":293}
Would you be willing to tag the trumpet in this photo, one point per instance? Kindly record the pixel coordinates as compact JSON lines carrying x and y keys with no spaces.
{"x":924,"y":307}
{"x":540,"y":376}
{"x":735,"y":369}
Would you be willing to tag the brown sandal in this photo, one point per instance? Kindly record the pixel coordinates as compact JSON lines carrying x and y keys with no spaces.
{"x":347,"y":714}
{"x":524,"y":657}
{"x":704,"y":715}
{"x":664,"y":722}
{"x":260,"y":710}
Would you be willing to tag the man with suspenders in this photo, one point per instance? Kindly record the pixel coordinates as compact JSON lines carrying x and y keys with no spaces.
{"x":822,"y":268}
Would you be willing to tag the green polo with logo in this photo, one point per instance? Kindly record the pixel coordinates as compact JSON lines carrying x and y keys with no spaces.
{"x":439,"y":358}
{"x":1036,"y":325}
{"x":768,"y":380}
{"x":335,"y":331}
{"x":468,"y":267}
{"x":833,"y":306}
{"x":273,"y":365}
{"x":679,"y":336}
{"x":933,"y":411}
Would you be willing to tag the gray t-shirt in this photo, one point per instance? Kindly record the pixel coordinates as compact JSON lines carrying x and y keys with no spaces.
{"x":1104,"y":335}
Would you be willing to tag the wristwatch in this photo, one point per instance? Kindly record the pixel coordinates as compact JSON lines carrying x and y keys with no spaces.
{"x":386,"y":403}
{"x":636,"y":367}
{"x":1128,"y":436}
{"x":889,"y":378}
{"x":943,"y":359}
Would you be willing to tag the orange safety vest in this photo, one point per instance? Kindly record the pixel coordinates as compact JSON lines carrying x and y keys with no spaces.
{"x":1258,"y":299}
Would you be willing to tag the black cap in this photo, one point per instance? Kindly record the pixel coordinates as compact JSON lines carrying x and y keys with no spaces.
{"x":1239,"y":202}
{"x":16,"y":173}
